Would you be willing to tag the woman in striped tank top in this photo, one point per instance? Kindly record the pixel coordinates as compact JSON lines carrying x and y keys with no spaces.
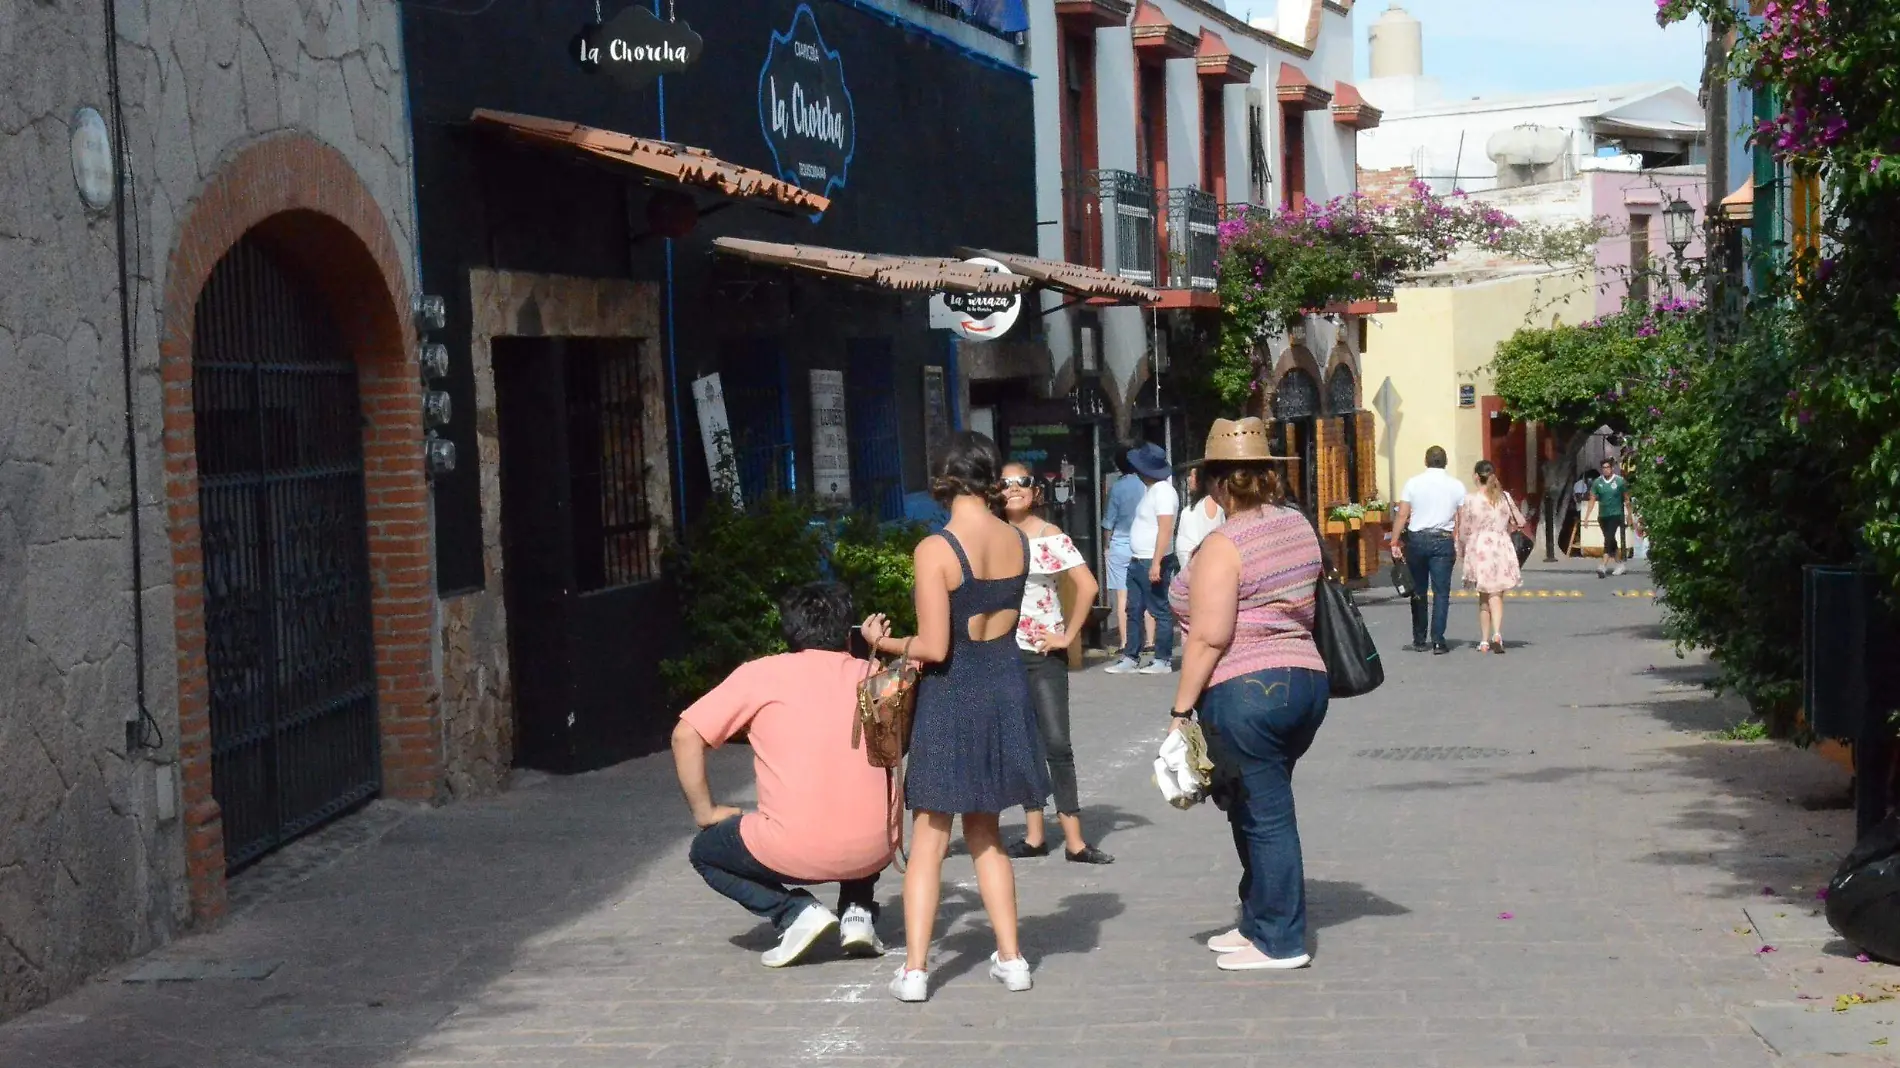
{"x":1254,"y":676}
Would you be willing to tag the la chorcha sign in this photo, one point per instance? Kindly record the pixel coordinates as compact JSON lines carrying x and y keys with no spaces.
{"x":805,"y":109}
{"x":635,"y":47}
{"x":977,"y":316}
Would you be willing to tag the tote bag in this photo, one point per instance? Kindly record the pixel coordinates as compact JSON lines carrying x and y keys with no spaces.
{"x":1352,"y":659}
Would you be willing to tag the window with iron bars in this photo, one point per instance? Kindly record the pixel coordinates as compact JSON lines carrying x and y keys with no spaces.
{"x":614,"y":542}
{"x":990,"y":16}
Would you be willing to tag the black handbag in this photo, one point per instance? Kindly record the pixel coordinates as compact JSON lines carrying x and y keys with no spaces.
{"x":1520,"y":541}
{"x":1352,"y":659}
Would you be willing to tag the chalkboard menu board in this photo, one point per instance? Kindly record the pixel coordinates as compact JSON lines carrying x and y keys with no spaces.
{"x":1043,"y":446}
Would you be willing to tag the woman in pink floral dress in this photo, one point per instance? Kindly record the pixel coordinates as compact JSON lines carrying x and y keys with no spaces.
{"x":1043,"y":636}
{"x":1483,"y":536}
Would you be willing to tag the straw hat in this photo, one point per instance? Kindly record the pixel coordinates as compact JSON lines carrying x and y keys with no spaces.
{"x":1239,"y":441}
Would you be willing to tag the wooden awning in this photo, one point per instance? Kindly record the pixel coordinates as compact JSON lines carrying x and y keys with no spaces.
{"x":1739,"y":207}
{"x":680,"y":164}
{"x":906,"y":273}
{"x":1096,"y":14}
{"x":1156,"y":39}
{"x":1293,"y":88}
{"x":1216,"y":62}
{"x":1072,"y":278}
{"x":1350,"y":108}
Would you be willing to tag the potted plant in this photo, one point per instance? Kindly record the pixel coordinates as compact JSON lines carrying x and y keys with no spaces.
{"x":1375,"y":510}
{"x":1344,"y":517}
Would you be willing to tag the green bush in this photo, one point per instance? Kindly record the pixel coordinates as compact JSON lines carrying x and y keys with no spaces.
{"x":735,"y":564}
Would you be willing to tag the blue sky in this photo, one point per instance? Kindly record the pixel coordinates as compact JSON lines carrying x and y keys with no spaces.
{"x":1486,"y":47}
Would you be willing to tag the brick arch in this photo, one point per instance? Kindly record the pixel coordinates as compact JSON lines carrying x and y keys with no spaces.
{"x":1343,"y":356}
{"x":303,"y":200}
{"x":1295,"y":356}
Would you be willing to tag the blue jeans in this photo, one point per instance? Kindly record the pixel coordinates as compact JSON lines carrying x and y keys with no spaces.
{"x":720,"y":857}
{"x":1257,"y":727}
{"x":1149,"y":598}
{"x":1429,"y":554}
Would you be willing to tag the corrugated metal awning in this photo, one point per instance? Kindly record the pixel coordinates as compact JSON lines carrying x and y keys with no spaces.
{"x":682,"y":164}
{"x":907,"y":273}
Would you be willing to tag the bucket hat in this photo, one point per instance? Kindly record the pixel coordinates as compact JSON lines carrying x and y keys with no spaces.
{"x":1149,"y":461}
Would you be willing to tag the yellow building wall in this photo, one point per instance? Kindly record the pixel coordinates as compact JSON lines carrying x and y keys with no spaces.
{"x":1444,"y":337}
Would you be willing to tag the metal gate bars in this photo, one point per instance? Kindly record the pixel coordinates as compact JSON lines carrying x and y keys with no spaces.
{"x":288,"y":638}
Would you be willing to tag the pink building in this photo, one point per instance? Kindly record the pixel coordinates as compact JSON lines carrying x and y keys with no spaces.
{"x":1632,"y":203}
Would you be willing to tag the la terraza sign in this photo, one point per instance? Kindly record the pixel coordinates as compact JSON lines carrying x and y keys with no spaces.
{"x":804,"y":108}
{"x":977,"y":316}
{"x":635,"y":47}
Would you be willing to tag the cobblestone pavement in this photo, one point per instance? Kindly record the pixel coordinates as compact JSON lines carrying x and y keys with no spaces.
{"x":1572,"y":785}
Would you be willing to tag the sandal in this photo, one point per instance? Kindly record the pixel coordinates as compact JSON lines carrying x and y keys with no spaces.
{"x":1089,"y":855}
{"x":1484,"y":647}
{"x":1020,"y":849}
{"x":1497,"y":644}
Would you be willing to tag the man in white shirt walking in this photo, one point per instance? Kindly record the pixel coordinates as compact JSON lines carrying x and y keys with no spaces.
{"x":1151,"y":566}
{"x":1428,"y":513}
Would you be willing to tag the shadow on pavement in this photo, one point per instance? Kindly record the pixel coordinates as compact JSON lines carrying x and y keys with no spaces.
{"x":1074,"y":927}
{"x":1329,"y":903}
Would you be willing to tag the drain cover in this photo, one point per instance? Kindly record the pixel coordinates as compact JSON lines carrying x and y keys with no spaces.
{"x":1432,"y":752}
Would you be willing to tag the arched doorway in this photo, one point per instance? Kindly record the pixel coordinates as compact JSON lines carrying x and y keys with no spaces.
{"x":1295,"y":410}
{"x":1342,"y":391}
{"x":289,"y":645}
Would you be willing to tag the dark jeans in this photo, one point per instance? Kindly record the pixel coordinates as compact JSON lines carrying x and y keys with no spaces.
{"x":1259,"y":726}
{"x":1611,"y":526}
{"x":1429,"y":554}
{"x":1049,"y":688}
{"x":720,"y":857}
{"x":1149,"y":598}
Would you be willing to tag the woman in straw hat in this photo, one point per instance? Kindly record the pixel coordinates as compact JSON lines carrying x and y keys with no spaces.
{"x":1254,"y":676}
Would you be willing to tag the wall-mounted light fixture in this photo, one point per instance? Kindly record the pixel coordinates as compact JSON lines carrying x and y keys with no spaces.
{"x":432,"y":313}
{"x":94,"y":171}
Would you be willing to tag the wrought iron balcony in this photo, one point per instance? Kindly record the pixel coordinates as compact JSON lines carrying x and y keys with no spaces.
{"x":1109,"y":223}
{"x":1193,"y":239}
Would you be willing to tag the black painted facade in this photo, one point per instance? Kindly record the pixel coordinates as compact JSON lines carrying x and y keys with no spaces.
{"x":941,"y":156}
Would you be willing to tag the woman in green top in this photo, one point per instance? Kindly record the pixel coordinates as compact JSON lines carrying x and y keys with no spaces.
{"x":1611,"y":491}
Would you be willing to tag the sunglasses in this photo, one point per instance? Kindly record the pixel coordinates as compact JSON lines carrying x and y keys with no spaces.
{"x":1018,"y":482}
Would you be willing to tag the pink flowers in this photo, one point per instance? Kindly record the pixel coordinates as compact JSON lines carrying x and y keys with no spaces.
{"x":1505,"y":916}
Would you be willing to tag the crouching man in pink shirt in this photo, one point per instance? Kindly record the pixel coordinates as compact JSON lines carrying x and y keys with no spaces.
{"x":823,"y":811}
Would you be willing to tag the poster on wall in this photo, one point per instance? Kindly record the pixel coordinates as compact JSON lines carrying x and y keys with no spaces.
{"x":830,"y":444}
{"x":715,"y":434}
{"x":805,"y":109}
{"x":936,"y":415}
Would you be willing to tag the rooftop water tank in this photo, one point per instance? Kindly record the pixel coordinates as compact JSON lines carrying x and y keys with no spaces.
{"x":1398,"y":45}
{"x":1527,"y":146}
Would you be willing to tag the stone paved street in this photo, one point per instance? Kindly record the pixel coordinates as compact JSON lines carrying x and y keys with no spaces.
{"x":1572,"y":784}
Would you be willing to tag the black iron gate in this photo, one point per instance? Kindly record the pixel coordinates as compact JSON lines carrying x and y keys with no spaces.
{"x":288,"y":639}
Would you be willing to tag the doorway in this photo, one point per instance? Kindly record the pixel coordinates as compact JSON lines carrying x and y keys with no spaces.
{"x":289,"y":644}
{"x":588,"y":622}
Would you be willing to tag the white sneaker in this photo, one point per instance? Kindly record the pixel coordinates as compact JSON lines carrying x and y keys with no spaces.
{"x":1620,"y":569}
{"x":1602,"y":572}
{"x":811,"y":925}
{"x":1124,"y":666}
{"x":1251,"y":959}
{"x":1231,"y":942}
{"x":1013,"y":974}
{"x":1157,"y":667}
{"x":857,"y":934}
{"x":911,"y":984}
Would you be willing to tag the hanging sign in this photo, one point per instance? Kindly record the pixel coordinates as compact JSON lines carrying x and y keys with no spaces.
{"x":635,"y":47}
{"x":805,"y":110}
{"x":830,"y":445}
{"x":977,"y":316}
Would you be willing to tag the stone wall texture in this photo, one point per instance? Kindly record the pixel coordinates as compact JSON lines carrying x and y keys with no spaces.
{"x":92,"y":859}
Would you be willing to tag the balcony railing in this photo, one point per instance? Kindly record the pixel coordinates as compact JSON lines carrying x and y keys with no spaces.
{"x":1193,"y":239}
{"x":1109,"y":223}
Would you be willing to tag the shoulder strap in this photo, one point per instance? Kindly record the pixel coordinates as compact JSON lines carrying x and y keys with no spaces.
{"x":962,"y":559}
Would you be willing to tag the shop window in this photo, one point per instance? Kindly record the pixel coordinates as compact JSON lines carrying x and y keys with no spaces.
{"x":877,"y":446}
{"x":607,"y":467}
{"x":1639,"y":260}
{"x":759,"y":410}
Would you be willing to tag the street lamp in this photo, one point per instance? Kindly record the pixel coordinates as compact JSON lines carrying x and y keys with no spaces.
{"x":1679,"y":225}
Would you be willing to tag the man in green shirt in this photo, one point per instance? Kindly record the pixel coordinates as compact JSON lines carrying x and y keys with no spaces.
{"x":1611,"y":491}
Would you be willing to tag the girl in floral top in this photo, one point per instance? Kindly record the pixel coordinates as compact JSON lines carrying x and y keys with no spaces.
{"x":1043,"y":636}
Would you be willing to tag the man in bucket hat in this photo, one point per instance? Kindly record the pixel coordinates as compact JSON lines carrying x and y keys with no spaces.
{"x":1151,"y":568}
